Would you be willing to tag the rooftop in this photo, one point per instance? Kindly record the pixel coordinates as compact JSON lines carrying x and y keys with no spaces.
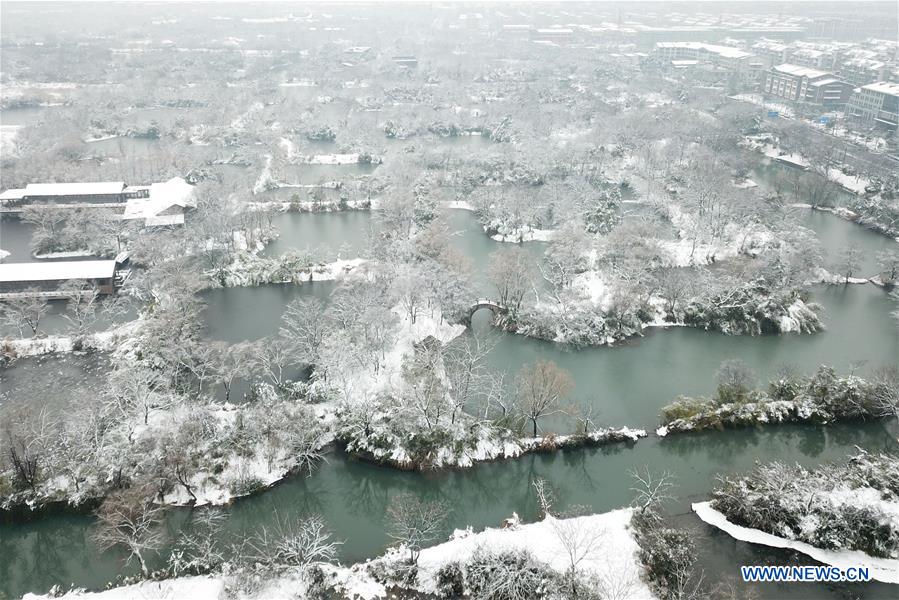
{"x":56,"y":270}
{"x":98,"y":188}
{"x":174,"y":192}
{"x":884,"y":87}
{"x":12,"y":194}
{"x":827,"y":81}
{"x":799,"y":71}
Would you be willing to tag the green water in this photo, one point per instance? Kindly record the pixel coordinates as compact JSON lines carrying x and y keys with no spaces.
{"x":328,"y":236}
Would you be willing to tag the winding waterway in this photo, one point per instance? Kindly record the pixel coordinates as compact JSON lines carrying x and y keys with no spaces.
{"x":628,"y":385}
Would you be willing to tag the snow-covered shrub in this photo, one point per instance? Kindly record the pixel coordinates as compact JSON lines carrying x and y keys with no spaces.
{"x":394,"y":573}
{"x":587,"y":326}
{"x":852,"y":506}
{"x":508,"y":575}
{"x":753,"y":311}
{"x":822,"y":398}
{"x":685,"y":408}
{"x":245,"y":484}
{"x":667,"y":554}
{"x":450,"y":581}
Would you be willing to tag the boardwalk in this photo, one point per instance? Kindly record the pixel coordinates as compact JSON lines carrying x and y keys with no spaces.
{"x":20,"y":208}
{"x":47,"y":294}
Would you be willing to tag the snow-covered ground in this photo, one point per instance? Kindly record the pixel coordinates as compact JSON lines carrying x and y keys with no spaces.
{"x":608,"y":548}
{"x":881,"y":569}
{"x":460,"y":204}
{"x":523,"y":235}
{"x":357,"y":384}
{"x":333,"y":159}
{"x":67,"y":254}
{"x":104,"y":341}
{"x":193,"y":588}
{"x":249,"y":270}
{"x":781,"y":108}
{"x":265,"y":180}
{"x":290,"y":149}
{"x":735,"y":240}
{"x":8,"y":135}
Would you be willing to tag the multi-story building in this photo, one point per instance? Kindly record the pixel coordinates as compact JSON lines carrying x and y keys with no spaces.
{"x":812,"y":57}
{"x":730,"y":58}
{"x":875,"y":104}
{"x":770,"y":51}
{"x":804,"y":84}
{"x":861,"y":71}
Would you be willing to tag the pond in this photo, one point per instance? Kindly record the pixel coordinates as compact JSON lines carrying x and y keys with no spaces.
{"x":251,"y":313}
{"x":328,"y":235}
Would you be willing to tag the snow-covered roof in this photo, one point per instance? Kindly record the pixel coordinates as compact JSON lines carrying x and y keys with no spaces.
{"x":162,"y":220}
{"x":865,"y":63}
{"x":821,"y":82}
{"x":769,"y":45}
{"x":174,"y":192}
{"x":56,"y":270}
{"x":98,"y":188}
{"x":12,"y":194}
{"x":809,"y":53}
{"x":799,"y":71}
{"x":884,"y":87}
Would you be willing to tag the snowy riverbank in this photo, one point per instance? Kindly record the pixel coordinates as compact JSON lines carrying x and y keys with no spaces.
{"x":881,"y":569}
{"x":607,"y":553}
{"x":102,"y":341}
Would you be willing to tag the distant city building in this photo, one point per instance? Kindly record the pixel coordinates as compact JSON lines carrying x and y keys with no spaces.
{"x":680,"y":55}
{"x":771,"y":51}
{"x":861,"y":70}
{"x":804,"y":84}
{"x":875,"y":104}
{"x":812,"y":57}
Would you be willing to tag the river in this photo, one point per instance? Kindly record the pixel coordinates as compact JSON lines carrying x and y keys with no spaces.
{"x":628,"y":384}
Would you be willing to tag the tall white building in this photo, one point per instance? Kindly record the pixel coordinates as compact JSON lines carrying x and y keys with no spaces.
{"x":876,"y":104}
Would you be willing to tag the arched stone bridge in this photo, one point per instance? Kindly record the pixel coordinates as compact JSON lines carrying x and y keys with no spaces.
{"x":492,"y":305}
